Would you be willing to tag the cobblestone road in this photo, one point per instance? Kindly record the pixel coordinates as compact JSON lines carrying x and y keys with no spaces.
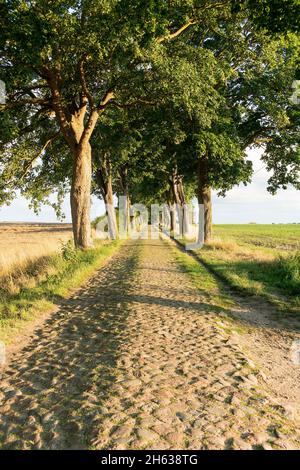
{"x":136,"y":360}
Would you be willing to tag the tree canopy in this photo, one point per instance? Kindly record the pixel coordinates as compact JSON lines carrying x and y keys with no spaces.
{"x":109,"y":95}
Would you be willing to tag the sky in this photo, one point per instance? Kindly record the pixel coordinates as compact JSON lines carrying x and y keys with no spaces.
{"x":243,"y":204}
{"x":253,"y":203}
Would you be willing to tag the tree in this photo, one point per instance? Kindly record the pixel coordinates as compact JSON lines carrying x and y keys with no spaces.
{"x":255,"y":111}
{"x":68,"y":61}
{"x":268,"y":115}
{"x":276,"y":16}
{"x":65,"y":64}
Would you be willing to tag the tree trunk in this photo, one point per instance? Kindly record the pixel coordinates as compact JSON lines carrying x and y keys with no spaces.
{"x":126,"y":218}
{"x":171,"y":206}
{"x":180,"y":201}
{"x":204,"y":196}
{"x":184,"y":209}
{"x":77,"y":133}
{"x":81,"y":197}
{"x":172,"y":219}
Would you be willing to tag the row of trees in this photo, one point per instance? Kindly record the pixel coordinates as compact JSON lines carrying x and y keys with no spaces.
{"x":157,"y":101}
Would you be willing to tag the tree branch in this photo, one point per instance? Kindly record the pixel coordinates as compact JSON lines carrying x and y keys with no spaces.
{"x":11,"y":105}
{"x":87,"y":133}
{"x":86,"y":93}
{"x":58,"y":108}
{"x":94,"y":115}
{"x":29,"y":165}
{"x":259,"y":136}
{"x":29,"y":91}
{"x":107,"y":98}
{"x":174,"y":35}
{"x":179,"y":31}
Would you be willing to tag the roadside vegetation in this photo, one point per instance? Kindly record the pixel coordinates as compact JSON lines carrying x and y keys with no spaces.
{"x":260,"y":260}
{"x":212,"y":290}
{"x":24,"y":294}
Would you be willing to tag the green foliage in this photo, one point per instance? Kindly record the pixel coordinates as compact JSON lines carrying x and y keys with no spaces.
{"x":218,"y":87}
{"x":288,"y":271}
{"x":69,"y":273}
{"x":68,"y":251}
{"x":276,"y":16}
{"x":42,"y":47}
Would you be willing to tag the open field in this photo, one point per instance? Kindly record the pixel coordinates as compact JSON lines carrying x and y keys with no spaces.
{"x":279,"y":238}
{"x":37,"y":263}
{"x":23,"y":243}
{"x":258,"y":260}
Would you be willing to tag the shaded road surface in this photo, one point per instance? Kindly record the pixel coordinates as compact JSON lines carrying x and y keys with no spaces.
{"x":136,"y":360}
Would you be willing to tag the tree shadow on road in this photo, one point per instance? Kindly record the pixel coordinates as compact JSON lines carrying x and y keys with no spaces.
{"x":59,"y":382}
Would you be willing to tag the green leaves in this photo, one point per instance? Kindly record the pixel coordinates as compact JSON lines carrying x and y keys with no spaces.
{"x":276,"y":16}
{"x":188,"y":77}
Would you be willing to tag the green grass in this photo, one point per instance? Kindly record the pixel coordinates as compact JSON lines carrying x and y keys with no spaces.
{"x":281,"y":237}
{"x":205,"y":282}
{"x":278,"y":280}
{"x":259,"y":260}
{"x":287,"y":271}
{"x":69,"y":269}
{"x":215,"y":299}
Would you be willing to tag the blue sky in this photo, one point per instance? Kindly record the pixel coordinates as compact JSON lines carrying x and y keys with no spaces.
{"x":241,"y":205}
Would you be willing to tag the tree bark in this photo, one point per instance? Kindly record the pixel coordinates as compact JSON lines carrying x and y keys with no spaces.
{"x":172,"y":218}
{"x":110,"y":210}
{"x":81,"y":197}
{"x":204,"y":196}
{"x":180,"y":202}
{"x":184,"y":209}
{"x":77,"y":129}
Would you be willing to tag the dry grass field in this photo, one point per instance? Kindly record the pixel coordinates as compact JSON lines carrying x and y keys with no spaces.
{"x":21,"y":244}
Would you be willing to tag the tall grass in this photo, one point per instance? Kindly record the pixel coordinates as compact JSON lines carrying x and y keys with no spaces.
{"x":288,"y":271}
{"x":22,"y":245}
{"x":251,"y":271}
{"x":46,"y":281}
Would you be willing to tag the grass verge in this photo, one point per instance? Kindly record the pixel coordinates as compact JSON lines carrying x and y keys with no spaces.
{"x":44,"y":283}
{"x":249,"y":271}
{"x":277,"y":280}
{"x":215,"y":299}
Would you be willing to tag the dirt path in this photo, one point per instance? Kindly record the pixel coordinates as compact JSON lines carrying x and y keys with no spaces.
{"x":136,"y":360}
